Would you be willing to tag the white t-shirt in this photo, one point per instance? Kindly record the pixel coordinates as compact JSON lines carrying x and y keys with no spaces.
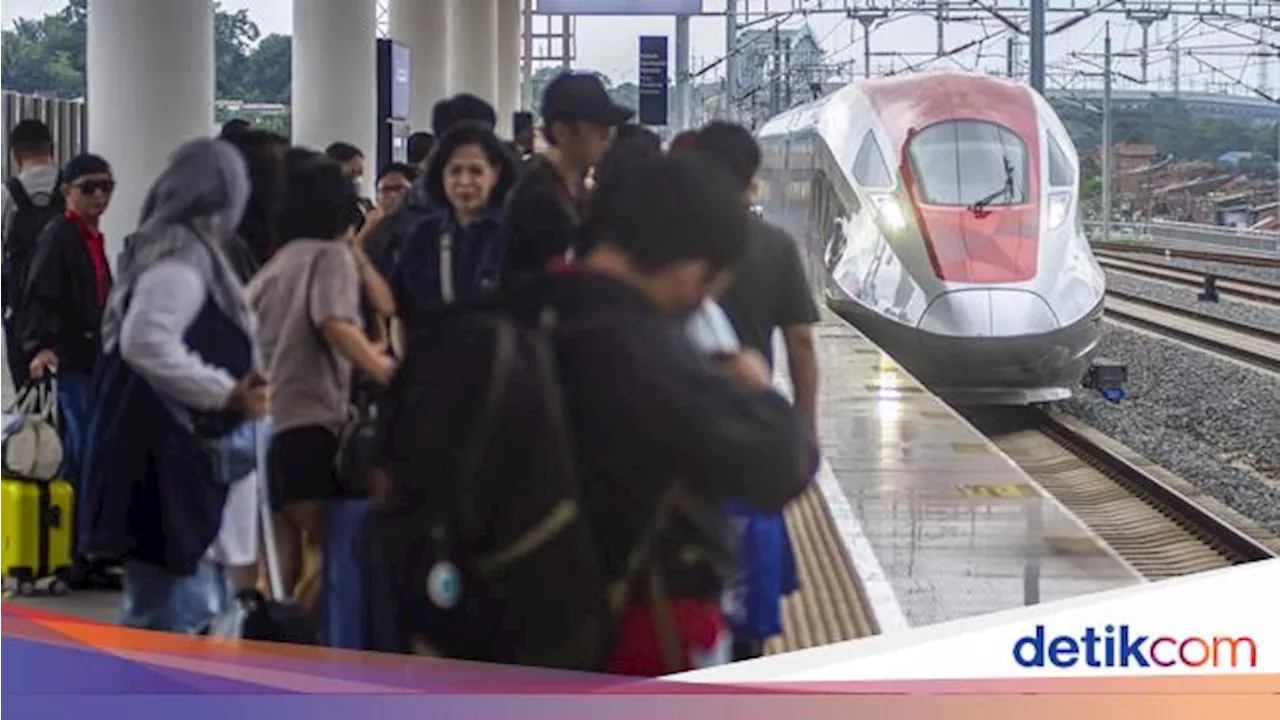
{"x":711,"y":331}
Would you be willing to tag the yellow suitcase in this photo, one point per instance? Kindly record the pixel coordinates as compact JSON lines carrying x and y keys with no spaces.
{"x":37,"y":527}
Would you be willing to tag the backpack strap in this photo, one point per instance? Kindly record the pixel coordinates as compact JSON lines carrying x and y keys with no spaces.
{"x":19,"y":194}
{"x":504,"y":360}
{"x":664,"y":622}
{"x":23,"y":200}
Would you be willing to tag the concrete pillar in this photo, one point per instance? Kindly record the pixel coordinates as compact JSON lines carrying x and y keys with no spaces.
{"x":474,"y":65}
{"x":509,"y":66}
{"x":423,"y":25}
{"x":335,"y":73}
{"x":150,"y":89}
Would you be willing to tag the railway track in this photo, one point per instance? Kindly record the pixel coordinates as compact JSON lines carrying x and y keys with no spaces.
{"x":1244,"y":288}
{"x":1232,"y":258}
{"x":1254,"y":345}
{"x":1161,"y":530}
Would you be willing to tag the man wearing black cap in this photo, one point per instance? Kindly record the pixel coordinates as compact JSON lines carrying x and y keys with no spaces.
{"x":65,"y":295}
{"x":545,"y":209}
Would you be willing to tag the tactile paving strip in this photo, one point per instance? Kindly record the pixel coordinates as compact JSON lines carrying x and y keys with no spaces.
{"x":829,"y":607}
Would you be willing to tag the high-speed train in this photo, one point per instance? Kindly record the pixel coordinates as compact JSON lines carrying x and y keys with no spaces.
{"x":939,"y":214}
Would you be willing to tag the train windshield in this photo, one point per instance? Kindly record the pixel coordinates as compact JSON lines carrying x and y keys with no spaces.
{"x":965,"y":162}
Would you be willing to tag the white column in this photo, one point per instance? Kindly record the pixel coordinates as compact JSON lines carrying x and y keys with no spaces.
{"x":508,"y":67}
{"x":423,"y":25}
{"x":335,"y":73}
{"x":150,"y":89}
{"x":473,"y":65}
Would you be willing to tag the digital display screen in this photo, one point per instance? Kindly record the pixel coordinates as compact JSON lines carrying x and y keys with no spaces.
{"x":401,"y":87}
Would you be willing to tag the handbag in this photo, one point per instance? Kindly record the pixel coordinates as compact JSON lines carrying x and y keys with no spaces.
{"x":357,"y":447}
{"x":32,"y":446}
{"x":229,"y":450}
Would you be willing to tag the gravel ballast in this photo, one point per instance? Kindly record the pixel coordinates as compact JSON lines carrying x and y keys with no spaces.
{"x":1212,"y":421}
{"x":1256,"y":314}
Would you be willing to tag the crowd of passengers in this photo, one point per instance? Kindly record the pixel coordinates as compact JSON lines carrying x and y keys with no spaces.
{"x":260,"y":285}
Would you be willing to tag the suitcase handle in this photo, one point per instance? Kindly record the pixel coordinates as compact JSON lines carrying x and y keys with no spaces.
{"x":53,"y":516}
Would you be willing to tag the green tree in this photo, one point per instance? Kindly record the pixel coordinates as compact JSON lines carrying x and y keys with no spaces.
{"x":46,"y":56}
{"x":627,"y":95}
{"x":268,"y":70}
{"x":234,"y":35}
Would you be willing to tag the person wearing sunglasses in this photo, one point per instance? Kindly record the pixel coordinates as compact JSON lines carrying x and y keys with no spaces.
{"x":66,"y":291}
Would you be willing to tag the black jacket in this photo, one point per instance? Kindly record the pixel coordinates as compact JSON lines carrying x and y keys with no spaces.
{"x":60,"y":311}
{"x":388,"y":239}
{"x":646,"y":409}
{"x":540,"y":223}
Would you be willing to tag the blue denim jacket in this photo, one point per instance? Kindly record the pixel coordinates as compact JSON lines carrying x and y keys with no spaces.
{"x":475,"y":254}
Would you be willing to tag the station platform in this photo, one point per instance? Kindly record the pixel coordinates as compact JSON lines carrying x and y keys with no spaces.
{"x":915,"y":517}
{"x":934,"y":522}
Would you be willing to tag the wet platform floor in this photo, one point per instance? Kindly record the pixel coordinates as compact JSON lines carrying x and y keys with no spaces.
{"x":937,"y":523}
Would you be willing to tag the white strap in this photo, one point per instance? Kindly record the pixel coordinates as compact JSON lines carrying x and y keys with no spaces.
{"x":40,"y":401}
{"x":275,"y":583}
{"x":446,"y":268}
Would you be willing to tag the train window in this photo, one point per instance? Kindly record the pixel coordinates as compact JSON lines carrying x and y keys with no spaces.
{"x":962,"y":162}
{"x":869,"y":166}
{"x":1060,"y":174}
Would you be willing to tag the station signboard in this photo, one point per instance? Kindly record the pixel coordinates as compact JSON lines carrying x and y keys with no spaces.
{"x":618,"y":7}
{"x":653,"y":80}
{"x":401,"y":87}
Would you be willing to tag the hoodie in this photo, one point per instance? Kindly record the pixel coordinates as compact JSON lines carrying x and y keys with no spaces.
{"x":39,"y":182}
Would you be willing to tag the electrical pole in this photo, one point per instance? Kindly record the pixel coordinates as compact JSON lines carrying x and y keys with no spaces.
{"x":1037,"y":46}
{"x":1011,"y":57}
{"x":775,"y":89}
{"x":683,"y":94}
{"x":786,"y":64}
{"x":526,"y":61}
{"x":1106,"y":135}
{"x":867,"y":17}
{"x":941,"y":27}
{"x":1175,"y":56}
{"x":730,"y":58}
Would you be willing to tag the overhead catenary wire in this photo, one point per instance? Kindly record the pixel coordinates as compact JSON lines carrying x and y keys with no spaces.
{"x":974,"y":49}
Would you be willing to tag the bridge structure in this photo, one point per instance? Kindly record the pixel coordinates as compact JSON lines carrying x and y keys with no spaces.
{"x":1192,"y":235}
{"x":1249,"y":108}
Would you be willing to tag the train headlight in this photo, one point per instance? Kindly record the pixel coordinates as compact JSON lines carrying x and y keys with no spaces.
{"x":1059,"y":203}
{"x":890,"y":211}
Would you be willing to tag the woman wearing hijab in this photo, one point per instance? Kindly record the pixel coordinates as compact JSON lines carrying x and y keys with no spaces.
{"x":178,"y":373}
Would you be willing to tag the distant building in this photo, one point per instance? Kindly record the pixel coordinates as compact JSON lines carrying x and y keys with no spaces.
{"x":251,"y":111}
{"x":1235,"y":157}
{"x":791,"y":56}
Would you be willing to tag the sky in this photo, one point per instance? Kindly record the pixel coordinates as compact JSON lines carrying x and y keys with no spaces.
{"x":610,"y":44}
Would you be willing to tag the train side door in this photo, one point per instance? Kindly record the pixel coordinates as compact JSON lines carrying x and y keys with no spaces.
{"x":830,"y":234}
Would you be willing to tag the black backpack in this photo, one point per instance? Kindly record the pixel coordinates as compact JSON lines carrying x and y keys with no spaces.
{"x":480,"y":549}
{"x":29,"y":221}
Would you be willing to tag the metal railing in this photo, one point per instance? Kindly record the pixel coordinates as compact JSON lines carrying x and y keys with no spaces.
{"x":67,"y":121}
{"x":1190,"y":235}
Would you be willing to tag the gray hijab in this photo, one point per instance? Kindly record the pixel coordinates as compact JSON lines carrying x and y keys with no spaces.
{"x":190,"y":212}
